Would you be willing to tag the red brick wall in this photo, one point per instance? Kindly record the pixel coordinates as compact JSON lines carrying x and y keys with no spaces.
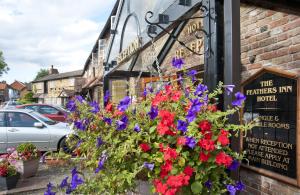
{"x":271,"y":37}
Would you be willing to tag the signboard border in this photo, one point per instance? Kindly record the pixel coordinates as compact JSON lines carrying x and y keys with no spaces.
{"x":277,"y":176}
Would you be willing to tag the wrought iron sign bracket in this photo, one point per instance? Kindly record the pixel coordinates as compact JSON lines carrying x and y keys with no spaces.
{"x":199,"y":34}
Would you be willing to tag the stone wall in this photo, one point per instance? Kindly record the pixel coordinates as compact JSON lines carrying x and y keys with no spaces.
{"x":268,"y":38}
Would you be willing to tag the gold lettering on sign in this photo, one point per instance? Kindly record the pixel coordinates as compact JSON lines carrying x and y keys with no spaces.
{"x":129,"y":51}
{"x":195,"y":46}
{"x":194,"y":27}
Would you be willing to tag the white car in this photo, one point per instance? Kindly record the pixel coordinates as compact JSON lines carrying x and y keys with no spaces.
{"x":20,"y":126}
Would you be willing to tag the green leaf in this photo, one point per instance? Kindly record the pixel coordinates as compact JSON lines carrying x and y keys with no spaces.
{"x":181,"y":161}
{"x":196,"y":187}
{"x":152,"y":129}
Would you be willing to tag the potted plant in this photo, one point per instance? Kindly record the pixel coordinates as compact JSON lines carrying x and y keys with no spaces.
{"x":8,"y":175}
{"x":56,"y":158}
{"x":26,"y":159}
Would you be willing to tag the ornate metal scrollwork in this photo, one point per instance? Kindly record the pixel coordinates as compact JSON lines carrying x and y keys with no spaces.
{"x":199,"y":34}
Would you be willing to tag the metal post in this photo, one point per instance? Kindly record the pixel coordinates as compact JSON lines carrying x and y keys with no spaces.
{"x":232,"y":60}
{"x":214,"y":61}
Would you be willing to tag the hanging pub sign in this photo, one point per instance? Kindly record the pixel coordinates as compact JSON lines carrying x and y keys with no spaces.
{"x":129,"y":51}
{"x":271,"y":146}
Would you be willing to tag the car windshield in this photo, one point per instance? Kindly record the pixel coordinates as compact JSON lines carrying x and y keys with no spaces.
{"x":43,"y":118}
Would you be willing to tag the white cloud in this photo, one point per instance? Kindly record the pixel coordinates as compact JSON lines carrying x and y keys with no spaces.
{"x":38,"y":33}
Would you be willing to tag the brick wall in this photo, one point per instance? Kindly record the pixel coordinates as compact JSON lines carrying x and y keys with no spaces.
{"x":268,"y":38}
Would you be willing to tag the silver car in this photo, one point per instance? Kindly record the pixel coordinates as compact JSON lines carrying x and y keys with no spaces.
{"x":19,"y":126}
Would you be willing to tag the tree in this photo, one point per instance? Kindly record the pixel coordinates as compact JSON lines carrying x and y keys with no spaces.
{"x":3,"y":66}
{"x":42,"y":73}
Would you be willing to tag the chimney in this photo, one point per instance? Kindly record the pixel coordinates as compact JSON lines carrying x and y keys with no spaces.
{"x":53,"y":70}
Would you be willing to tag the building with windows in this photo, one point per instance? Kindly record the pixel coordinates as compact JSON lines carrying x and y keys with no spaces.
{"x":57,"y":88}
{"x":224,"y":40}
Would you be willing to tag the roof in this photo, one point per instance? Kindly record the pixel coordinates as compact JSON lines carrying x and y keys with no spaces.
{"x":76,"y":73}
{"x":17,"y":85}
{"x":105,"y":29}
{"x":3,"y":86}
{"x":66,"y":93}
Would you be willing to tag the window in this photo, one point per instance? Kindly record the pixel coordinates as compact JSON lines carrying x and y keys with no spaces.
{"x":34,"y":108}
{"x":48,"y":110}
{"x":2,"y":119}
{"x":17,"y":119}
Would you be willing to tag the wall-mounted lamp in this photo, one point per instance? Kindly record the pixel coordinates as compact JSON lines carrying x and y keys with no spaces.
{"x":113,"y":63}
{"x":185,"y":2}
{"x":152,"y":29}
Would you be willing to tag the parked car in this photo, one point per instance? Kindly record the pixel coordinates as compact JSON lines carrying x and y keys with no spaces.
{"x":10,"y":104}
{"x":55,"y":113}
{"x":20,"y":126}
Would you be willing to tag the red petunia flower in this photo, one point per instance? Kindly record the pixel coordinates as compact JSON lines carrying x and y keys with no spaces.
{"x":165,"y":169}
{"x":109,"y":107}
{"x":188,"y":171}
{"x":204,"y":157}
{"x":181,"y":141}
{"x":207,"y":145}
{"x":171,"y":191}
{"x":223,"y":138}
{"x":205,"y":126}
{"x":160,"y":187}
{"x":176,"y":96}
{"x":212,"y":108}
{"x":145,"y":147}
{"x":223,"y":159}
{"x":170,"y":154}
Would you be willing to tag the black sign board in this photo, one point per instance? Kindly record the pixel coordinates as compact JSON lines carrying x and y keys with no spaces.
{"x":271,"y":145}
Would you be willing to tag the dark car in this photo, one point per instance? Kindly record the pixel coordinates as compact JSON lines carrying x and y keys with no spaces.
{"x":53,"y":112}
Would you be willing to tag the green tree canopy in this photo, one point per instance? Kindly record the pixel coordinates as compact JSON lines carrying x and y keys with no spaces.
{"x":3,"y":66}
{"x":42,"y":72}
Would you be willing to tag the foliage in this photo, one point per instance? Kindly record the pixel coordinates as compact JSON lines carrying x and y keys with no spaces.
{"x":176,"y":137}
{"x":28,"y":98}
{"x":57,"y":155}
{"x":6,"y":169}
{"x":41,"y":73}
{"x":24,"y":151}
{"x":3,"y":65}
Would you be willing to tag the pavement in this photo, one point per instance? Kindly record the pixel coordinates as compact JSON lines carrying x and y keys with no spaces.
{"x":37,"y":184}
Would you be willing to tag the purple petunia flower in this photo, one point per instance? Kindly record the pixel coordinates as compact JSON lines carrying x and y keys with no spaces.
{"x":208,"y":184}
{"x":79,"y":98}
{"x":240,"y":98}
{"x":137,"y":128}
{"x":81,"y":125}
{"x":145,"y":92}
{"x":229,"y":89}
{"x":99,"y":142}
{"x":153,"y":112}
{"x":107,"y":120}
{"x":124,"y":104}
{"x":190,"y":142}
{"x":101,"y":163}
{"x":234,"y":165}
{"x":191,"y":116}
{"x":150,"y":88}
{"x":95,"y":107}
{"x":68,"y":190}
{"x":106,"y":97}
{"x":200,"y":90}
{"x":196,"y":105}
{"x":177,"y":62}
{"x":239,"y":186}
{"x":76,"y":180}
{"x":192,"y":74}
{"x":122,"y":124}
{"x":74,"y":171}
{"x":149,"y":166}
{"x":64,"y":182}
{"x":49,"y":190}
{"x":231,"y":189}
{"x":182,"y":126}
{"x":79,"y":143}
{"x":71,"y":106}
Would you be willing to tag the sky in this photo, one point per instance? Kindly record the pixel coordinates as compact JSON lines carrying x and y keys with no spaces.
{"x":36,"y":34}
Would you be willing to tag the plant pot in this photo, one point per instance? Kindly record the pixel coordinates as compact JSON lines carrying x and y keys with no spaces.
{"x":56,"y":162}
{"x":7,"y":183}
{"x":27,"y":168}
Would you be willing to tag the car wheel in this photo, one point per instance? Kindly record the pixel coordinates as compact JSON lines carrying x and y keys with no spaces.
{"x":67,"y":145}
